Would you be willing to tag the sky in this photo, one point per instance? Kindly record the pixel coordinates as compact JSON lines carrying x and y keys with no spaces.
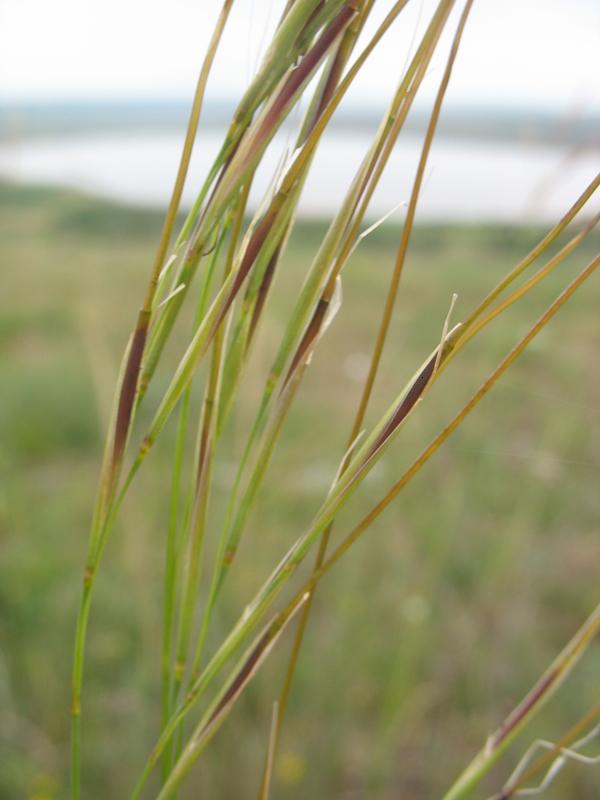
{"x":525,"y":53}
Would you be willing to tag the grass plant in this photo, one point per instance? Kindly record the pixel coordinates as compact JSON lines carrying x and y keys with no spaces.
{"x":225,"y":263}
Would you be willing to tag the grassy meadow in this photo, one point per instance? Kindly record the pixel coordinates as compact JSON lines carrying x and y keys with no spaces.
{"x":431,"y":629}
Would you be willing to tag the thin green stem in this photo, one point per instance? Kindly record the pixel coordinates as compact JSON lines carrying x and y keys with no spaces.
{"x":475,"y":323}
{"x":171,"y":570}
{"x":195,"y":544}
{"x":186,"y":154}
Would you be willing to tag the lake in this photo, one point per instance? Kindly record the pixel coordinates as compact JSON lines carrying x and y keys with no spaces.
{"x":466,"y":180}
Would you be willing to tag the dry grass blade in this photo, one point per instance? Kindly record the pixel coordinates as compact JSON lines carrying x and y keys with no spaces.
{"x":437,"y":442}
{"x":270,"y":759}
{"x":225,"y":701}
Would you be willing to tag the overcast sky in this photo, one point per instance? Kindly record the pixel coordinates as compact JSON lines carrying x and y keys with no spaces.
{"x":540,"y":53}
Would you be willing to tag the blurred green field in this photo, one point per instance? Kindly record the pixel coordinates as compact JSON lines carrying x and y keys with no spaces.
{"x":427,"y":633}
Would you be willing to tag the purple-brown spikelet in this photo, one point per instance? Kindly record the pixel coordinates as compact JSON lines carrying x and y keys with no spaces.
{"x":129,"y":389}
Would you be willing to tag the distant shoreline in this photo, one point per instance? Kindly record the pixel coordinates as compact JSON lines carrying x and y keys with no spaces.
{"x":466,"y":179}
{"x":24,"y":120}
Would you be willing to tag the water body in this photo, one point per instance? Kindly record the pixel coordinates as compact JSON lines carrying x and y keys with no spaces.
{"x":466,"y":180}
